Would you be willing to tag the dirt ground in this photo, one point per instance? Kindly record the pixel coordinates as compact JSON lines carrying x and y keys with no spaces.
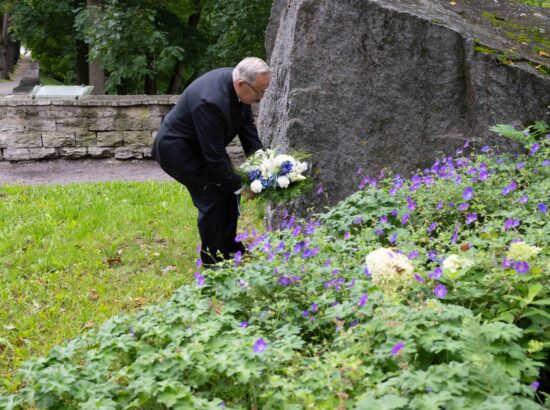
{"x":88,"y":170}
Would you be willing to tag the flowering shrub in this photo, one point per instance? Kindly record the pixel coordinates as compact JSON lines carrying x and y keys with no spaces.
{"x":303,"y":320}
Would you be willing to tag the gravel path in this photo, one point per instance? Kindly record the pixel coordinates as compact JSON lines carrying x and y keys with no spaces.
{"x":88,"y":170}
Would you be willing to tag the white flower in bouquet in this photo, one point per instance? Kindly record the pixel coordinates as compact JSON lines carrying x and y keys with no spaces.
{"x":256,"y":186}
{"x":454,"y":263}
{"x":283,"y":182}
{"x":389,"y":270}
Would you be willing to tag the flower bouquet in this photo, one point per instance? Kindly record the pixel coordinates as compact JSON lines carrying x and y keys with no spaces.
{"x":279,"y":177}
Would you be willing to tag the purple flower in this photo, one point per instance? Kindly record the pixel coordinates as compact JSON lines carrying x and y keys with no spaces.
{"x":243,"y":325}
{"x":383,"y":219}
{"x":507,"y":263}
{"x":379,"y":232}
{"x":363,"y":299}
{"x":327,"y":262}
{"x":523,"y":200}
{"x":411,"y":204}
{"x":238,"y":257}
{"x":419,"y":278}
{"x":485,"y":149}
{"x":535,"y":385}
{"x":463,"y":207}
{"x":394,"y":212}
{"x":347,"y":235}
{"x":354,"y":323}
{"x":521,"y":267}
{"x":366,"y":272}
{"x":283,"y":280}
{"x":436,"y":274}
{"x":432,"y":255}
{"x":471,"y":218}
{"x":260,"y":345}
{"x":440,"y":291}
{"x":393,"y":238}
{"x":198,"y":248}
{"x":397,"y":348}
{"x":305,"y":313}
{"x":199,"y":278}
{"x":545,"y":163}
{"x":534,"y":149}
{"x":483,"y":175}
{"x":358,"y":220}
{"x":509,"y":188}
{"x":468,"y":193}
{"x":405,"y":219}
{"x":542,"y":208}
{"x":511,"y":223}
{"x":520,"y":165}
{"x":319,"y":190}
{"x":412,"y":255}
{"x":432,"y":226}
{"x":313,"y":308}
{"x":440,"y":205}
{"x":310,"y":253}
{"x":198,"y":263}
{"x":296,"y":231}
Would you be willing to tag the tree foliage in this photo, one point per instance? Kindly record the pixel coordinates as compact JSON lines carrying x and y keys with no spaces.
{"x":144,"y":45}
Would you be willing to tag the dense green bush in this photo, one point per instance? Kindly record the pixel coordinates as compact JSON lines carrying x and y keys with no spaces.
{"x":451,"y":313}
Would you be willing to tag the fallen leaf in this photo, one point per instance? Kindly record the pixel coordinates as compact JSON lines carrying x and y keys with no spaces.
{"x":93,"y":296}
{"x":139,"y":301}
{"x":168,"y":269}
{"x":217,"y":306}
{"x":543,"y":54}
{"x":453,"y":3}
{"x":88,"y":325}
{"x":465,"y":247}
{"x":115,"y":259}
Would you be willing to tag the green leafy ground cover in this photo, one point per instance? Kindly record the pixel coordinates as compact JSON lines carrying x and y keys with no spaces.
{"x":450,"y":311}
{"x":72,"y":256}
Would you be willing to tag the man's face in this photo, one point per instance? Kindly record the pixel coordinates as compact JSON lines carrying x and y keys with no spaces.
{"x":251,"y":93}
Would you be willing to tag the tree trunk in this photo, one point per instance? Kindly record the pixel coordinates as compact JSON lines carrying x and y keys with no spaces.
{"x":150,"y":80}
{"x":9,"y":50}
{"x":175,"y":79}
{"x":96,"y":73}
{"x":82,"y":69}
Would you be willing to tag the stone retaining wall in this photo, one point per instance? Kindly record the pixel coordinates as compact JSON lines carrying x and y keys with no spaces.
{"x":106,"y":126}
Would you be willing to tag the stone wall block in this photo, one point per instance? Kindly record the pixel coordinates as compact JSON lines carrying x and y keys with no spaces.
{"x":43,"y":153}
{"x":125,"y":124}
{"x":147,"y":152}
{"x":129,"y":152}
{"x":101,"y":152}
{"x":138,"y":138}
{"x":73,"y":153}
{"x":85,"y":139}
{"x":56,"y":139}
{"x":16,"y":154}
{"x":102,"y":124}
{"x":20,"y":139}
{"x":39,"y":125}
{"x":110,"y":138}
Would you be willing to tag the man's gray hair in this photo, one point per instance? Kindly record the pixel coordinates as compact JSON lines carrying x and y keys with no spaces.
{"x":249,"y":68}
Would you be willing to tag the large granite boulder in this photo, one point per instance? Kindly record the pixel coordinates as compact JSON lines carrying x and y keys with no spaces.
{"x":377,"y":84}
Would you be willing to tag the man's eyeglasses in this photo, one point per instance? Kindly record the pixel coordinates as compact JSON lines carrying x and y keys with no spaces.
{"x":258,"y":93}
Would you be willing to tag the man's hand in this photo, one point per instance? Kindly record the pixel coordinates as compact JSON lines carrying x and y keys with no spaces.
{"x":247,"y":193}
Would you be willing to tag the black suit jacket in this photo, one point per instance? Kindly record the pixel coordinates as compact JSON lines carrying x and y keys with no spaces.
{"x":207,"y":118}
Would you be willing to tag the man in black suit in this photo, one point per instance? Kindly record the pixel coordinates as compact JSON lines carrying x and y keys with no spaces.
{"x":190,"y":147}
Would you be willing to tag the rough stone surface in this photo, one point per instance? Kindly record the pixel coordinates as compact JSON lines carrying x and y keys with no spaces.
{"x":382,"y":84}
{"x":129,"y":152}
{"x":55,"y":139}
{"x":101,"y":152}
{"x":73,"y":153}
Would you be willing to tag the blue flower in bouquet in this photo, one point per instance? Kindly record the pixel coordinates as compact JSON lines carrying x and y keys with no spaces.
{"x":254,"y":175}
{"x":286,"y":167}
{"x":267,"y":182}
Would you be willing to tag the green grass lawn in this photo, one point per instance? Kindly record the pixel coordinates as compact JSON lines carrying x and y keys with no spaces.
{"x":72,"y":256}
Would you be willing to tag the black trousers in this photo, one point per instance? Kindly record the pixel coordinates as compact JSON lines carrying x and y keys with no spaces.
{"x":218,"y":211}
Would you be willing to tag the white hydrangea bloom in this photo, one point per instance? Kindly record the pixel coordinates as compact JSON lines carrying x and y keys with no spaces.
{"x":283,"y":182}
{"x":280,"y":159}
{"x":256,"y":186}
{"x":454,"y":263}
{"x":389,"y":269}
{"x":520,"y":251}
